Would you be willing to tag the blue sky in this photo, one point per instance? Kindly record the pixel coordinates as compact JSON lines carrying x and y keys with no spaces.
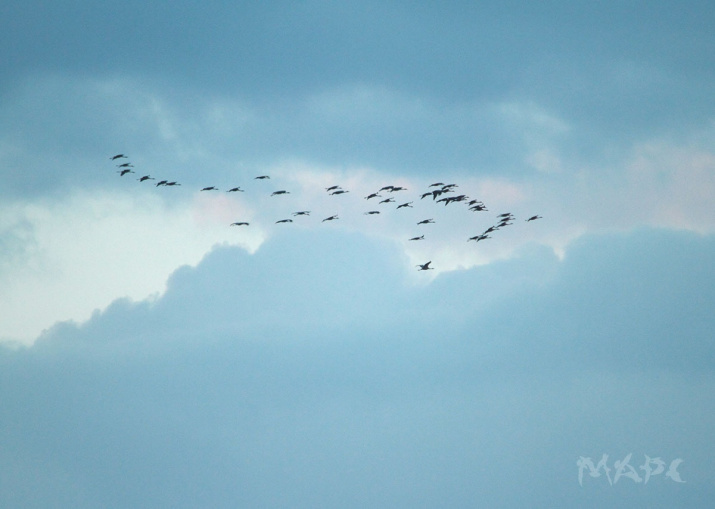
{"x":154,"y":356}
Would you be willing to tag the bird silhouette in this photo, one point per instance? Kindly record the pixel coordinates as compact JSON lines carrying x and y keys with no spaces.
{"x":302,"y":213}
{"x":118,"y":156}
{"x":426,"y":221}
{"x":145,"y":177}
{"x":262,"y":177}
{"x":421,"y":237}
{"x":284,"y":221}
{"x":371,"y":212}
{"x":373,"y":195}
{"x":240,"y":223}
{"x":424,"y":266}
{"x":276,"y":193}
{"x":533,"y":218}
{"x":331,"y":218}
{"x":124,"y":172}
{"x":235,"y":189}
{"x":404,"y":205}
{"x":210,"y":188}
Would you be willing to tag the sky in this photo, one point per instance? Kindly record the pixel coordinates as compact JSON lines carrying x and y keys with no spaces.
{"x":152,"y":355}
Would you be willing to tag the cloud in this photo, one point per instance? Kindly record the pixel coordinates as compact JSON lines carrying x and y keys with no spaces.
{"x":313,"y":375}
{"x":66,"y":257}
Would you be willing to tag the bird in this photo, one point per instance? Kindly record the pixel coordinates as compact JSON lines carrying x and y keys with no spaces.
{"x":426,"y":221}
{"x":118,"y":156}
{"x":339,"y":191}
{"x":124,"y":172}
{"x":331,"y":218}
{"x":275,"y":193}
{"x":240,"y":223}
{"x":146,"y":177}
{"x":437,"y":184}
{"x":234,"y":189}
{"x":373,"y":195}
{"x":332,"y":188}
{"x":397,"y":188}
{"x":284,"y":221}
{"x":424,"y":266}
{"x":387,"y":188}
{"x":302,"y":213}
{"x":210,"y":188}
{"x":125,"y":165}
{"x":425,"y":195}
{"x":408,"y":204}
{"x":371,"y":212}
{"x":262,"y":177}
{"x":421,"y":237}
{"x":161,"y":183}
{"x":172,"y":184}
{"x":533,"y":218}
{"x":388,"y":200}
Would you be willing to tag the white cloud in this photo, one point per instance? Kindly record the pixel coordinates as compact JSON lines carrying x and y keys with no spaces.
{"x":74,"y":255}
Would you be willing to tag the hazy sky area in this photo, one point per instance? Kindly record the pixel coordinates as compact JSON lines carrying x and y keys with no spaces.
{"x":153,"y":356}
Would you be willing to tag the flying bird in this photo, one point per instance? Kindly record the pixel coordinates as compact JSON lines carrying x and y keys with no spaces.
{"x":373,"y":195}
{"x":124,"y":172}
{"x":421,"y":237}
{"x":276,"y":193}
{"x":426,"y":221}
{"x":146,"y":177}
{"x":172,"y":184}
{"x":125,"y":165}
{"x":161,"y":183}
{"x":118,"y":156}
{"x":424,"y":266}
{"x":339,"y":191}
{"x":302,"y":213}
{"x":211,"y":188}
{"x":284,"y":221}
{"x":234,"y":189}
{"x":331,"y":218}
{"x":533,"y":218}
{"x":332,"y":188}
{"x":241,"y":223}
{"x":408,"y":204}
{"x":262,"y":177}
{"x":388,"y":200}
{"x":371,"y":212}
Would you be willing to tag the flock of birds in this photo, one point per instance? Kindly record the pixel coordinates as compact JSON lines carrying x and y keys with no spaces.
{"x":438,"y":192}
